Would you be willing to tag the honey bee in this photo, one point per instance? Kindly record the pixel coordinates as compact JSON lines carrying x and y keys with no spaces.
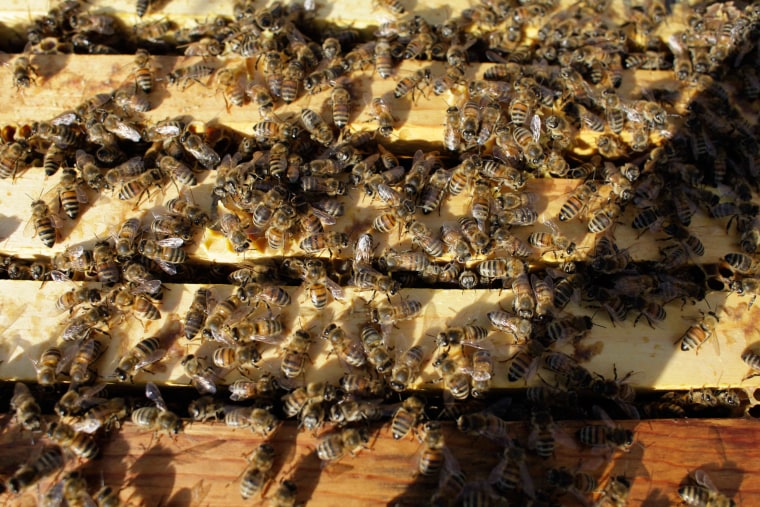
{"x":27,"y":411}
{"x":511,"y":472}
{"x":166,"y":253}
{"x":139,"y":304}
{"x":319,"y":242}
{"x":185,"y":76}
{"x":319,"y":130}
{"x":12,"y":159}
{"x":577,"y":201}
{"x":200,"y":150}
{"x":334,"y":446}
{"x":45,"y":223}
{"x":412,"y":83}
{"x":607,"y":435}
{"x":47,"y":366}
{"x":699,"y":332}
{"x":49,"y":461}
{"x":243,"y":389}
{"x":461,"y":335}
{"x":423,"y":236}
{"x":478,"y":240}
{"x":520,"y":328}
{"x":387,"y":314}
{"x":434,"y":453}
{"x":553,"y":241}
{"x":205,"y":408}
{"x":407,"y":368}
{"x":81,"y":444}
{"x":159,"y":417}
{"x":406,"y":261}
{"x":484,"y":424}
{"x":580,"y":484}
{"x":525,"y":360}
{"x":80,"y":326}
{"x":71,"y":299}
{"x":296,"y":350}
{"x":569,"y":328}
{"x":340,"y":99}
{"x":381,"y":113}
{"x":285,"y":495}
{"x":406,"y":417}
{"x":452,"y":371}
{"x":375,"y":350}
{"x":142,"y":70}
{"x":348,"y":351}
{"x":452,"y":136}
{"x":229,"y":82}
{"x":242,"y":355}
{"x":140,"y":185}
{"x":704,"y":493}
{"x":234,"y":231}
{"x":258,"y":472}
{"x":270,"y":295}
{"x":751,"y":359}
{"x":23,"y":72}
{"x":201,"y":374}
{"x":362,"y":385}
{"x":87,"y":353}
{"x":145,"y":353}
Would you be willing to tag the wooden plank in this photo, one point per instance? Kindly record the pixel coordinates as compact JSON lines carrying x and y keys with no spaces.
{"x":105,"y":213}
{"x":165,"y":472}
{"x":30,"y":323}
{"x":187,"y":12}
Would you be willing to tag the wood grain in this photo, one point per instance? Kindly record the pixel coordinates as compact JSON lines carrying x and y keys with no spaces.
{"x":166,"y":472}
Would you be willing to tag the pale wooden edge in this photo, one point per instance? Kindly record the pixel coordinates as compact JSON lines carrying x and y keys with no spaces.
{"x":651,"y":354}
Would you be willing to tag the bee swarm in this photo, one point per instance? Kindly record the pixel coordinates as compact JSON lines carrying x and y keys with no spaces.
{"x":417,"y":234}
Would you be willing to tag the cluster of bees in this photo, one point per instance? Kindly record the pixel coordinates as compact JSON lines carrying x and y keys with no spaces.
{"x":551,"y":98}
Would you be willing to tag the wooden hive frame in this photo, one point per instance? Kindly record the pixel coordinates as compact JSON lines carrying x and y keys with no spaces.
{"x":173,"y":472}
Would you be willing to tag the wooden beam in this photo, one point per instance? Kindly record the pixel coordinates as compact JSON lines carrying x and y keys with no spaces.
{"x":167,"y":471}
{"x":30,"y":323}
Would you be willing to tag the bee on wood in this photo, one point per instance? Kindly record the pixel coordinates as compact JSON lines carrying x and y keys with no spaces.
{"x":452,"y":370}
{"x":87,"y":353}
{"x":258,"y":472}
{"x":406,"y":417}
{"x":511,"y":472}
{"x":703,"y":493}
{"x":159,"y":417}
{"x":27,"y":411}
{"x":332,"y":447}
{"x":185,"y":76}
{"x":48,"y":461}
{"x":348,"y":351}
{"x":45,"y":223}
{"x":319,"y":130}
{"x":47,"y":367}
{"x":699,"y":332}
{"x":145,"y":353}
{"x":605,"y":436}
{"x":23,"y":72}
{"x":12,"y":159}
{"x":296,"y":350}
{"x":243,"y":389}
{"x":407,"y":368}
{"x":79,"y":443}
{"x":202,"y":375}
{"x":381,"y":113}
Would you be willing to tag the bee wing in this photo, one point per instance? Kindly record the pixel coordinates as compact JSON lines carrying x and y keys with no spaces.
{"x":526,"y":480}
{"x":168,"y":267}
{"x":335,"y":289}
{"x":21,"y":389}
{"x":151,"y":358}
{"x":326,"y":218}
{"x":88,"y":393}
{"x":59,"y":276}
{"x":73,"y":330}
{"x":126,"y":131}
{"x":204,"y":385}
{"x":81,"y":194}
{"x":67,"y":118}
{"x":535,"y":127}
{"x":68,"y":354}
{"x":154,"y":395}
{"x":87,"y":425}
{"x":565,"y":439}
{"x":363,"y":250}
{"x":629,"y":409}
{"x":145,"y":287}
{"x":604,"y":416}
{"x":171,"y":242}
{"x":54,"y":496}
{"x":701,"y":478}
